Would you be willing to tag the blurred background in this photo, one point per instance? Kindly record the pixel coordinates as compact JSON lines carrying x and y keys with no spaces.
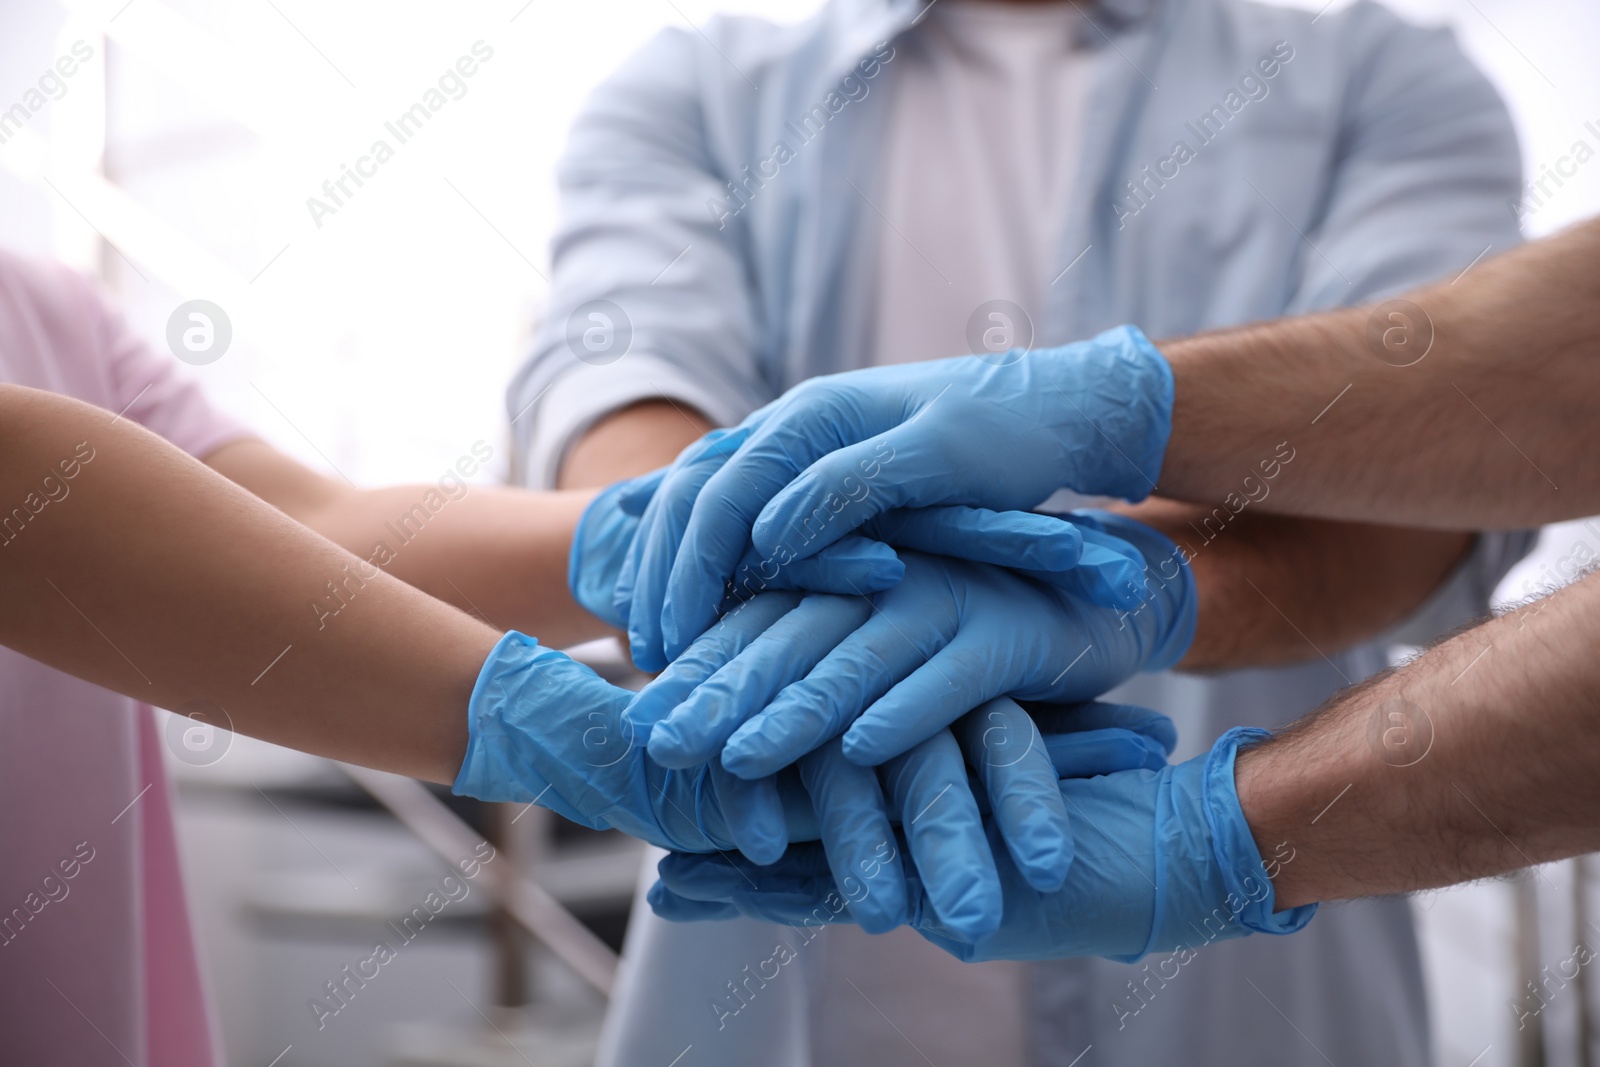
{"x":376,"y":339}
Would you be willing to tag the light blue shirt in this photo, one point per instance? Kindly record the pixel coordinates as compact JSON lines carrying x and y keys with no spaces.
{"x":1378,"y":158}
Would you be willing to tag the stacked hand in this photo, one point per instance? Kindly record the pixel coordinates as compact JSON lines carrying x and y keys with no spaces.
{"x":547,"y":730}
{"x":819,"y":684}
{"x":828,"y":456}
{"x":1165,"y":861}
{"x":901,"y":665}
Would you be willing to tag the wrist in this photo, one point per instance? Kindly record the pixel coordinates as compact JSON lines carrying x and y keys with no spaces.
{"x":1219,"y":887}
{"x":1254,"y":787}
{"x":1249,"y":865}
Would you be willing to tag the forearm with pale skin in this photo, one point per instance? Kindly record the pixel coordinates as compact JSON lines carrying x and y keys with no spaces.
{"x":1275,"y":589}
{"x":1370,"y":805}
{"x":156,"y":577}
{"x":1492,"y":428}
{"x":498,"y":553}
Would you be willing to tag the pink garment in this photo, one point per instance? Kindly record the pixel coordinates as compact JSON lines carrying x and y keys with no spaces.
{"x":97,"y":959}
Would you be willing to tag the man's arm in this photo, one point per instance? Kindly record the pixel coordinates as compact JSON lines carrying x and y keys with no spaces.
{"x":1278,"y":589}
{"x":137,"y":568}
{"x":1272,"y":589}
{"x":1489,"y":424}
{"x":1476,"y":759}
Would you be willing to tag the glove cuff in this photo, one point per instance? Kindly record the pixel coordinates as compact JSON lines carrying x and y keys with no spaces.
{"x":483,"y":718}
{"x":598,"y":548}
{"x":1250,"y":893}
{"x":500,"y":761}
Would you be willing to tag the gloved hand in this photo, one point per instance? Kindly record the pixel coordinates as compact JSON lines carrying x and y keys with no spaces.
{"x":606,"y":532}
{"x":545,"y":729}
{"x":949,"y":637}
{"x":1165,"y":861}
{"x":927,"y":788}
{"x":835,"y":451}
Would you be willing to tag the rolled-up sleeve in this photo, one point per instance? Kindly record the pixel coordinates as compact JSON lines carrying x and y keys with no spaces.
{"x":652,"y":292}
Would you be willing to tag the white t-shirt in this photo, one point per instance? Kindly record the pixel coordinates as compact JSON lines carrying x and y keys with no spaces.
{"x":986,"y":117}
{"x":984,"y":126}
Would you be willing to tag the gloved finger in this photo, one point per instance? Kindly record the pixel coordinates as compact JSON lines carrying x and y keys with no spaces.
{"x":857,"y":837}
{"x":720,"y":645}
{"x":643,"y":584}
{"x":945,"y":835}
{"x":754,"y":814}
{"x":849,"y":485}
{"x":783,"y":439}
{"x":638,"y":492}
{"x":1091,"y":752}
{"x":856,"y":565}
{"x":694,"y":730}
{"x":964,"y":674}
{"x":720,"y":876}
{"x":1009,"y":757}
{"x":1110,"y":573}
{"x":1022,"y":539}
{"x":798,"y":890}
{"x":890,"y":645}
{"x":1053,"y":719}
{"x":673,"y":908}
{"x":808,"y":905}
{"x":715,"y":537}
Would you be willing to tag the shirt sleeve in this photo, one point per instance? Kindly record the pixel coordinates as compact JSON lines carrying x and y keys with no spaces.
{"x":1429,"y":170}
{"x":147,"y":387}
{"x":638,"y":232}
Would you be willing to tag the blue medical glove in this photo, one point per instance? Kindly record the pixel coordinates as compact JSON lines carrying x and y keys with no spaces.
{"x":545,"y":729}
{"x":949,"y":637}
{"x":1013,"y":772}
{"x":601,"y":579}
{"x":835,"y":451}
{"x":1165,"y":862}
{"x":600,"y":545}
{"x":606,"y":530}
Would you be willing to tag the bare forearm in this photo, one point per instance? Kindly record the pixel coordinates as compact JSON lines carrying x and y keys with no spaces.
{"x":500,"y":554}
{"x":1276,"y":589}
{"x":1492,"y":413}
{"x":1476,"y":759}
{"x":152,"y":575}
{"x":630,"y":442}
{"x":497,"y":553}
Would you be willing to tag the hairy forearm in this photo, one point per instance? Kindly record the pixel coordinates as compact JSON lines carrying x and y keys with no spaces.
{"x":1487,"y":426}
{"x":1276,"y":589}
{"x":150,"y":574}
{"x":630,"y":442}
{"x":1476,"y":759}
